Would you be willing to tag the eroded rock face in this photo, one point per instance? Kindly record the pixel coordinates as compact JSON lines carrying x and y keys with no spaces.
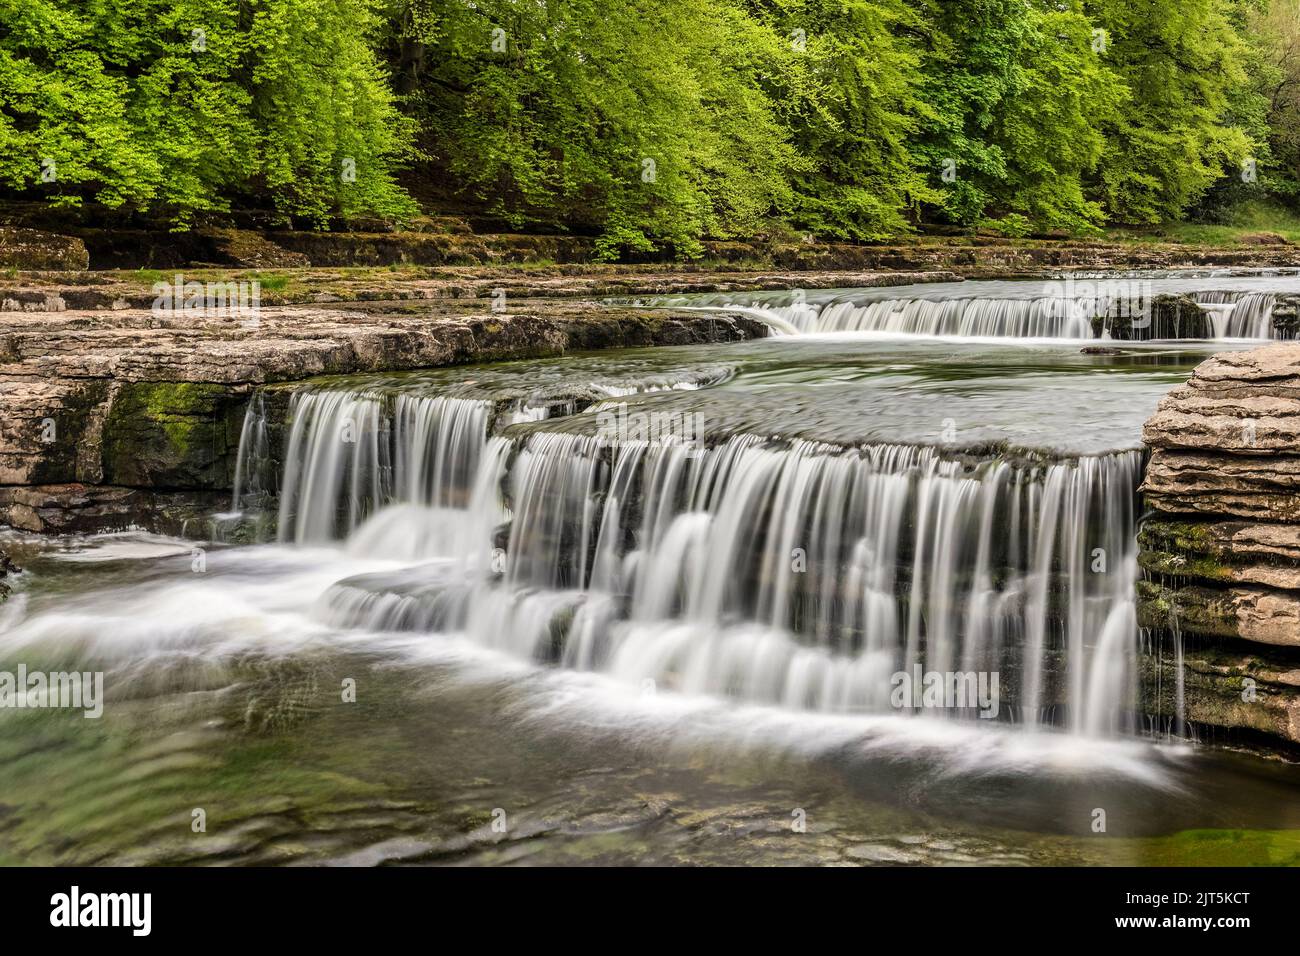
{"x":1228,"y":442}
{"x":1232,"y":689}
{"x":34,"y":249}
{"x":105,"y":413}
{"x":243,"y":247}
{"x":1221,"y":551}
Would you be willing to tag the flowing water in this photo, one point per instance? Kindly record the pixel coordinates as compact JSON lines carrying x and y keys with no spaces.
{"x":663,"y":605}
{"x":1077,"y":306}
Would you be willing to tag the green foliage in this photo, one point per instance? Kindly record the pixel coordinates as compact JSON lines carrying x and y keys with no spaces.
{"x":180,"y":106}
{"x":640,"y":120}
{"x":848,"y":94}
{"x":654,"y":125}
{"x":1019,"y":96}
{"x":1272,"y":100}
{"x":1012,"y":226}
{"x":1181,"y":60}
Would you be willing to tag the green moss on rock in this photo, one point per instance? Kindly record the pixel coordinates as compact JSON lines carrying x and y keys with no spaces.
{"x":1193,"y":610}
{"x":173,"y":435}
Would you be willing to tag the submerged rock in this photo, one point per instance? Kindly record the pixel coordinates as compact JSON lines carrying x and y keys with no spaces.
{"x":7,"y":567}
{"x":90,"y":509}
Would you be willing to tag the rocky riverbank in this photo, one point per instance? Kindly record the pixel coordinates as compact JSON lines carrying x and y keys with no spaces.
{"x":1221,"y":545}
{"x":35,"y":237}
{"x":126,"y":415}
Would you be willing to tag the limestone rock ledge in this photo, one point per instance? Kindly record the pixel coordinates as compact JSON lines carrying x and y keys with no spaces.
{"x":1236,"y":690}
{"x":1220,"y":546}
{"x":108,"y":419}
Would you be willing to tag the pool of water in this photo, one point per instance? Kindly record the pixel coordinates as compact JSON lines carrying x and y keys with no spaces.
{"x":236,"y":699}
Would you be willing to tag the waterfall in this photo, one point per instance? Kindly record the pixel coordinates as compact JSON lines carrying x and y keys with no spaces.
{"x":797,"y":574}
{"x":253,"y":460}
{"x":349,"y":454}
{"x":806,"y":575}
{"x":1239,"y":315}
{"x":1047,"y":316}
{"x":1069,"y":309}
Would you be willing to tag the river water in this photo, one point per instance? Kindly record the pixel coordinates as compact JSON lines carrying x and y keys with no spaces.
{"x":640,"y":607}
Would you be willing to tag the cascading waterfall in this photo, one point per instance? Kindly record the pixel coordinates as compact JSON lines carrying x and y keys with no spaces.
{"x":1240,"y":315}
{"x":253,"y":461}
{"x":807,"y":575}
{"x":796,"y":574}
{"x":1041,"y":317}
{"x":1054,"y":314}
{"x":348,"y":454}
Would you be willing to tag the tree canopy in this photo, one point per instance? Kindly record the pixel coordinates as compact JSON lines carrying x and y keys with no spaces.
{"x":654,"y":124}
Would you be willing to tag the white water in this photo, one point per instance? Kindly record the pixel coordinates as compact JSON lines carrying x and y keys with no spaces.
{"x":1240,"y":315}
{"x":257,"y":602}
{"x":800,"y":575}
{"x":350,"y":453}
{"x":1234,"y":315}
{"x":1064,"y":309}
{"x":1044,"y":317}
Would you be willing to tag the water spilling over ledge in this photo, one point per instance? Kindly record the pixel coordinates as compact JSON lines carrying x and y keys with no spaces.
{"x":653,"y":587}
{"x":1137,"y":307}
{"x":783,"y":571}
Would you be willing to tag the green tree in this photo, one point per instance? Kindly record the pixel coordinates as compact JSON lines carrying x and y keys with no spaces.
{"x":1272,"y":28}
{"x":181,"y":107}
{"x":847,"y":90}
{"x":641,"y":121}
{"x":1181,"y":61}
{"x":1017,"y":96}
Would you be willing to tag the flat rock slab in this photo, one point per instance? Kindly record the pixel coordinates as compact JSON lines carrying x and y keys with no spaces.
{"x":145,"y":399}
{"x":108,"y":290}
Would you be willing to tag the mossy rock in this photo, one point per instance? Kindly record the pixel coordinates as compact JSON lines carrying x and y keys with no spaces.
{"x":32,"y":249}
{"x":1183,"y":549}
{"x":179,"y":435}
{"x":1168,"y":317}
{"x":1194,"y":610}
{"x":62,"y":460}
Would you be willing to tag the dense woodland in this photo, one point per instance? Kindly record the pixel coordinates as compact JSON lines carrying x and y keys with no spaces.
{"x":653,"y":124}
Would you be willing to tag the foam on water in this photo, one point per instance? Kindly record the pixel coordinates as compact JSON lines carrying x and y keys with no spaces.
{"x":262,"y":600}
{"x":792,"y":573}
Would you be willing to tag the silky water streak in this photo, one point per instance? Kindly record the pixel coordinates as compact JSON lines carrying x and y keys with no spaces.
{"x":790,"y":573}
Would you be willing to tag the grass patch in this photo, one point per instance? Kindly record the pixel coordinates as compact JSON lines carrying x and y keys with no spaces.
{"x":1223,"y":848}
{"x":271,"y":282}
{"x":149,"y":276}
{"x":1247,"y":220}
